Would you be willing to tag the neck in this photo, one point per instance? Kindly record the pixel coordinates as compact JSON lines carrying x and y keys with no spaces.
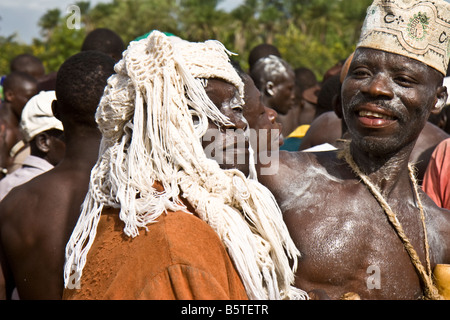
{"x":385,"y":171}
{"x":7,"y":113}
{"x":82,"y":149}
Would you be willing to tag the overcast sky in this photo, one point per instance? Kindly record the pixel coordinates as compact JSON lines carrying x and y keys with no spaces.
{"x":22,"y":16}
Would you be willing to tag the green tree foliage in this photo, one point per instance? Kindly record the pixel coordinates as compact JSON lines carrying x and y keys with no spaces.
{"x":60,"y":40}
{"x":309,"y":33}
{"x":10,"y":48}
{"x":133,"y":18}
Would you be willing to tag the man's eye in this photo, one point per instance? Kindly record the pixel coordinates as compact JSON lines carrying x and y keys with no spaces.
{"x":360,"y":72}
{"x":405,"y":81}
{"x":237,"y":104}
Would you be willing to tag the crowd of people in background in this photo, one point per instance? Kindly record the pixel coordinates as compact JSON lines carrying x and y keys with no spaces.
{"x":108,"y":149}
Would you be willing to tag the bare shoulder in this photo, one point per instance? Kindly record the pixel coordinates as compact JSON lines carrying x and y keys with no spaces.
{"x":32,"y":203}
{"x":294,"y":169}
{"x":438,"y":229}
{"x":288,"y":163}
{"x":434,"y":212}
{"x":282,"y":167}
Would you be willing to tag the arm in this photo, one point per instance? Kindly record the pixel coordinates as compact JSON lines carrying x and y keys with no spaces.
{"x":435,"y":179}
{"x":2,"y":285}
{"x":3,"y":151}
{"x":6,"y":281}
{"x":284,"y":169}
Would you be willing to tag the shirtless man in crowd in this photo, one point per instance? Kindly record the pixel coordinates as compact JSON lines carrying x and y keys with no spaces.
{"x":37,"y":218}
{"x":352,"y":213}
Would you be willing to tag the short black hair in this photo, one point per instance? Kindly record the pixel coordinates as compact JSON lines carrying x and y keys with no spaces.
{"x":106,"y":41}
{"x":80,"y":83}
{"x":305,"y":78}
{"x":330,"y":88}
{"x":27,"y":63}
{"x":16,"y":78}
{"x":269,"y":68}
{"x":261,"y":51}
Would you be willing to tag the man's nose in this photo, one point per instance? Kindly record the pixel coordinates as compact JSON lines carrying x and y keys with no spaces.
{"x":378,"y":85}
{"x":237,"y":122}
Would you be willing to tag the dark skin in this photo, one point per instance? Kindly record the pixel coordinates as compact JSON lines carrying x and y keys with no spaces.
{"x":336,"y":223}
{"x":18,"y":96}
{"x":429,"y":138}
{"x":49,"y":145}
{"x":226,"y":98}
{"x":34,"y":244}
{"x":10,"y":112}
{"x":41,"y":239}
{"x":327,"y":129}
{"x":279,"y":94}
{"x":261,"y":119}
{"x":250,"y":112}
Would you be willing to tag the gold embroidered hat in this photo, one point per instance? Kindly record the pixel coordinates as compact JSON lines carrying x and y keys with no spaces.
{"x":416,"y":29}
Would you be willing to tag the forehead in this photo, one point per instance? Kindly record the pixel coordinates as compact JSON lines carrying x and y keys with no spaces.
{"x":379,"y":58}
{"x":220,"y":90}
{"x":217,"y":85}
{"x":252,"y":96}
{"x":250,"y":88}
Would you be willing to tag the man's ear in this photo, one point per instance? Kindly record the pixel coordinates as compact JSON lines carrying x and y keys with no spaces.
{"x":9,"y":95}
{"x":55,"y":109}
{"x":269,"y":88}
{"x":42,"y":141}
{"x":441,"y":97}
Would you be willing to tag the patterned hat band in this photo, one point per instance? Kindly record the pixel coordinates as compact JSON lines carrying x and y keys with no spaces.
{"x":416,"y":29}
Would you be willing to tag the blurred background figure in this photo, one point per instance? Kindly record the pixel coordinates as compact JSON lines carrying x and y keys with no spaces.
{"x":44,"y":133}
{"x":275,"y":79}
{"x":106,"y":41}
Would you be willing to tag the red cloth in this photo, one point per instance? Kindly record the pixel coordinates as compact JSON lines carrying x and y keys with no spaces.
{"x":436,"y":181}
{"x":179,"y":257}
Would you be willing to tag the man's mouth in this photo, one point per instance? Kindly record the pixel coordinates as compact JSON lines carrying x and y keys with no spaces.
{"x":375,"y":119}
{"x":374,"y":115}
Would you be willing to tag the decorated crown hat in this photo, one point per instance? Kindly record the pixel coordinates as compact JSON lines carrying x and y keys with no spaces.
{"x":416,"y":29}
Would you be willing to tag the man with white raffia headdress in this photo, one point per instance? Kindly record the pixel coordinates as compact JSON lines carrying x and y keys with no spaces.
{"x":162,"y":219}
{"x":364,"y":227}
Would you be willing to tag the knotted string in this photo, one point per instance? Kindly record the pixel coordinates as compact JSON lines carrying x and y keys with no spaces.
{"x":430,"y":290}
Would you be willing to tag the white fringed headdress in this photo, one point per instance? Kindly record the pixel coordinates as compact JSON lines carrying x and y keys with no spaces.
{"x":146,"y":118}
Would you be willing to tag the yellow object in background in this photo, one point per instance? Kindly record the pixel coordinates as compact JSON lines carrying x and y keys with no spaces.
{"x":442,"y":279}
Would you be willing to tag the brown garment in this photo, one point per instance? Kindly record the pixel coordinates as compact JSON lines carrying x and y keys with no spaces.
{"x":179,"y":257}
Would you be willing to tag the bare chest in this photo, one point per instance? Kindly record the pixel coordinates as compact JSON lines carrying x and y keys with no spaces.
{"x":348,"y":244}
